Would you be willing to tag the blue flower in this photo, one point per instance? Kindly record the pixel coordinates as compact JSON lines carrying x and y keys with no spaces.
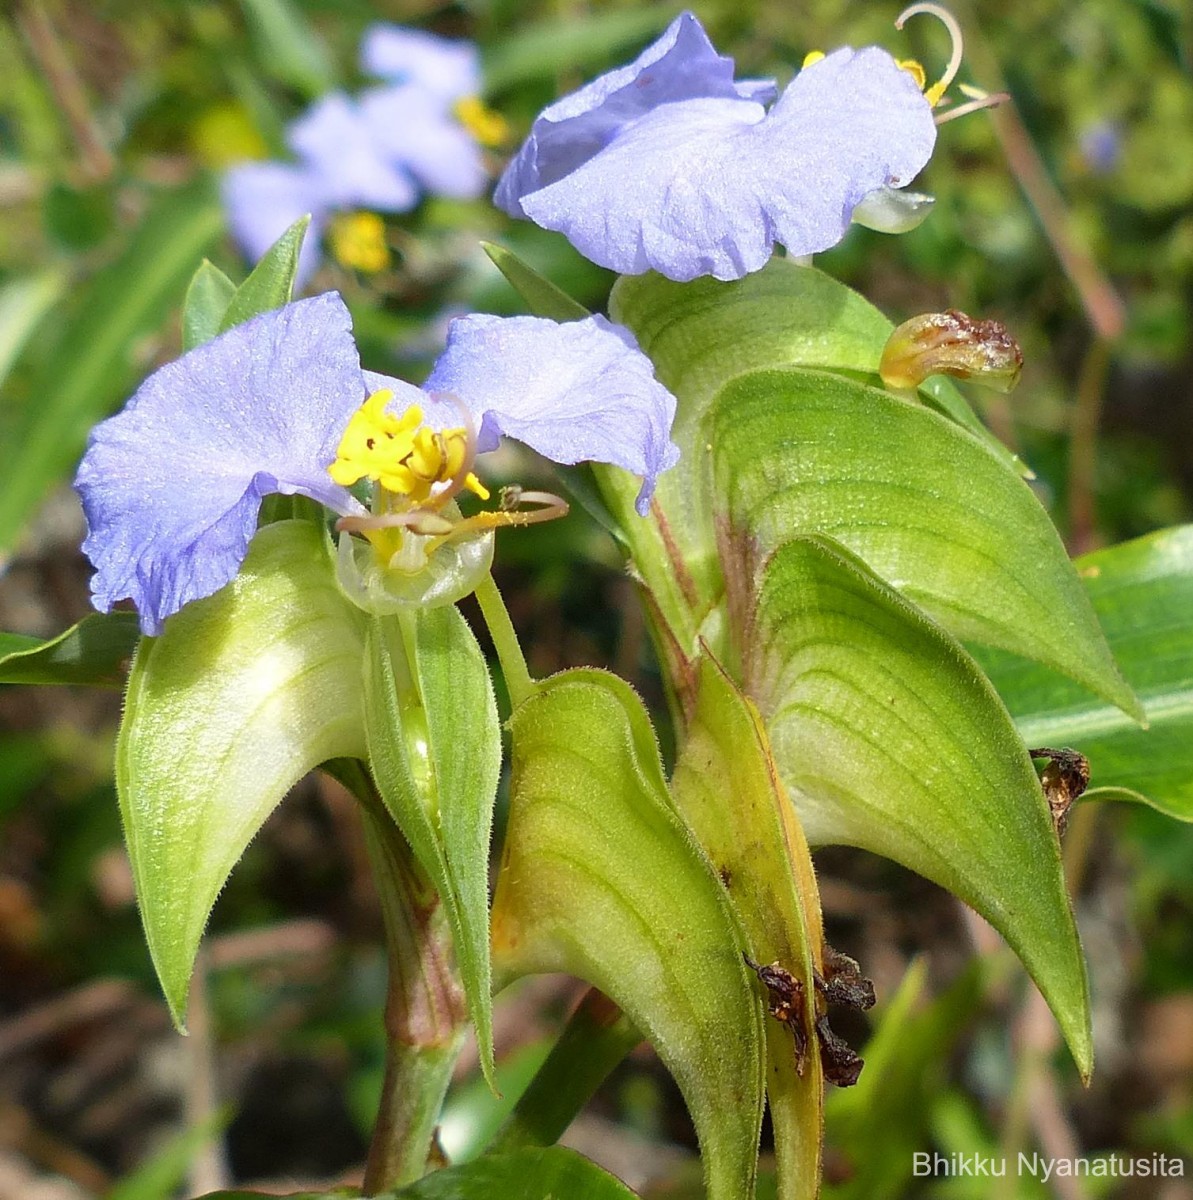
{"x":431,"y":119}
{"x":444,"y":68}
{"x":341,"y":168}
{"x":670,"y":165}
{"x":411,"y":127}
{"x":424,"y":132}
{"x":172,"y":485}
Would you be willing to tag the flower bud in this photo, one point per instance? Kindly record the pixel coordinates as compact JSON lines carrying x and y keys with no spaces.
{"x":950,"y":343}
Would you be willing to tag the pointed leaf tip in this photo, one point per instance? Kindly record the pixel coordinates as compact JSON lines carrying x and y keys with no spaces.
{"x":926,"y":506}
{"x":243,"y":693}
{"x":889,"y":738}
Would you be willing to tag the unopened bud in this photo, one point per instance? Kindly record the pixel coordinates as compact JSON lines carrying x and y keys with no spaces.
{"x":950,"y":343}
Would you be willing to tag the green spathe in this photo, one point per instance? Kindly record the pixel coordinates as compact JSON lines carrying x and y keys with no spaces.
{"x":243,"y":693}
{"x":926,"y":505}
{"x":889,"y":737}
{"x":434,"y":742}
{"x":602,"y":879}
{"x":725,"y":785}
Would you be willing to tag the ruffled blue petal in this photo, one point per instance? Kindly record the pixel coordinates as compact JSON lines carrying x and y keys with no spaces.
{"x":670,"y":165}
{"x":681,"y":65}
{"x":672,"y":193}
{"x":171,"y":485}
{"x":412,"y":130}
{"x":577,"y":392}
{"x":446,"y":69}
{"x":707,"y":187}
{"x":262,"y":201}
{"x":338,"y":148}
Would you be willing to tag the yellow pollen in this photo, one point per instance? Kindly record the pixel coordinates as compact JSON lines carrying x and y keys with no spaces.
{"x":358,"y":242}
{"x":813,"y":56}
{"x":915,"y":70}
{"x":488,"y":127}
{"x":405,"y":457}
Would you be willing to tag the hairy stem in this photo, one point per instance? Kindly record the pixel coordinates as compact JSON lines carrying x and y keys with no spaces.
{"x":425,"y":1011}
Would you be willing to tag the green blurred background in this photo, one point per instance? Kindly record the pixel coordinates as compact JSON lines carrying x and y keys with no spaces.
{"x":1069,"y":216}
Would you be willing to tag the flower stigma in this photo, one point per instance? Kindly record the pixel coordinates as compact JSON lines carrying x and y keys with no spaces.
{"x":357,"y":241}
{"x":418,"y":472}
{"x":489,"y":128}
{"x":935,"y":93}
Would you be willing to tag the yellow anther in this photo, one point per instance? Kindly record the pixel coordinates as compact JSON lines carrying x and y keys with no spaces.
{"x":408,"y":459}
{"x":375,"y":442}
{"x":488,"y":127}
{"x":358,"y":242}
{"x":813,"y":56}
{"x":935,"y":93}
{"x":915,"y":70}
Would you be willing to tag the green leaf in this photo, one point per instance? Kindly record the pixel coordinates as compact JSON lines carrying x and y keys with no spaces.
{"x":166,"y":1168}
{"x":96,"y":365}
{"x":601,"y":878}
{"x":534,"y":1173}
{"x":542,"y":297}
{"x":575,"y":42}
{"x":889,"y":737}
{"x":926,"y":506}
{"x":96,"y":651}
{"x":243,"y":693}
{"x":23,"y":304}
{"x":271,"y":282}
{"x":726,"y":785}
{"x":207,"y":299}
{"x":434,"y":742}
{"x":553,"y":1173}
{"x":1142,"y":592}
{"x":288,"y":48}
{"x":700,"y":335}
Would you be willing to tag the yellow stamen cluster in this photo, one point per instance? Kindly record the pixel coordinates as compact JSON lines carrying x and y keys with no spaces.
{"x":401,"y":454}
{"x":357,"y":241}
{"x":488,"y":127}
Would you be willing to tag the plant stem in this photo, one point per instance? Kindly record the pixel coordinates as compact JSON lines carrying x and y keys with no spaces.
{"x":425,"y":1012}
{"x":67,"y":88}
{"x":1083,"y":447}
{"x":597,"y":1037}
{"x":518,"y":681}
